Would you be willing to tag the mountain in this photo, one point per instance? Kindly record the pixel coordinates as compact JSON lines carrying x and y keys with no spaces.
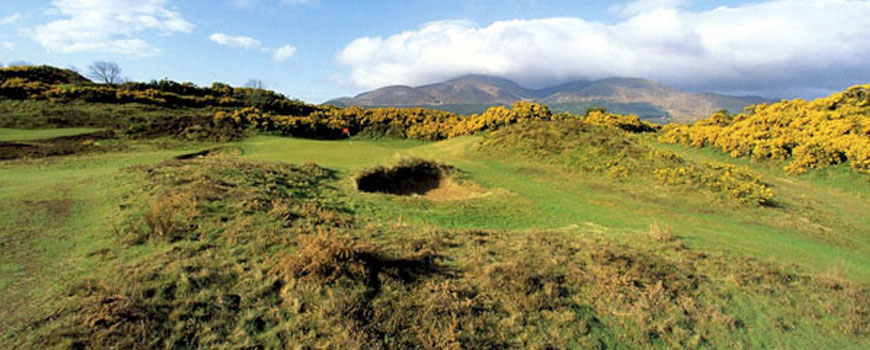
{"x":474,"y":93}
{"x":470,"y":89}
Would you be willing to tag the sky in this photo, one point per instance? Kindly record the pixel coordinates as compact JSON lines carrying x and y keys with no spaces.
{"x":316,"y":50}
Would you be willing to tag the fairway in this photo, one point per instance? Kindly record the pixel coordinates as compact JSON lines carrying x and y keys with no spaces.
{"x":38,"y":134}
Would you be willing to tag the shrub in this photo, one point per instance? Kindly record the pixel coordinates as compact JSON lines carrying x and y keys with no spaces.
{"x":811,"y":135}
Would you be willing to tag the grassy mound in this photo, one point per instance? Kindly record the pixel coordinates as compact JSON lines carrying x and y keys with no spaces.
{"x":596,"y":149}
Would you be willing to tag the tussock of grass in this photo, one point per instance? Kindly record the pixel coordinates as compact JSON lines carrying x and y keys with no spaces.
{"x":327,"y":256}
{"x":661,"y":233}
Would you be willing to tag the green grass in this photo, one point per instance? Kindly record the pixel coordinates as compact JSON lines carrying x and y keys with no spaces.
{"x":61,"y":215}
{"x":58,"y":217}
{"x":819,"y":228}
{"x":38,"y":134}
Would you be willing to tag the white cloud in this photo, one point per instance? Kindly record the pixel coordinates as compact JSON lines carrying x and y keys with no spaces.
{"x":109,"y":26}
{"x":235,"y":41}
{"x":283,"y":53}
{"x":11,"y":19}
{"x":280,"y":54}
{"x":643,"y":6}
{"x":8,"y":45}
{"x":755,"y":47}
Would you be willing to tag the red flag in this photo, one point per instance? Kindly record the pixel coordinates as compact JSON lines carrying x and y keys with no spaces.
{"x":345,"y":131}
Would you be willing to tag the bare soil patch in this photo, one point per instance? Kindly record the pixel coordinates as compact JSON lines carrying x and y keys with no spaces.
{"x":58,"y":146}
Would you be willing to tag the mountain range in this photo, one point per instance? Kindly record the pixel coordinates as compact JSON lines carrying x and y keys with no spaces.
{"x":474,"y":93}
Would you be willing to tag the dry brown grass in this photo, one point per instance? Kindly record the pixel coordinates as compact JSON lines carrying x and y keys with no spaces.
{"x":172,"y":217}
{"x":451,"y":189}
{"x":660,"y":233}
{"x":328,"y":256}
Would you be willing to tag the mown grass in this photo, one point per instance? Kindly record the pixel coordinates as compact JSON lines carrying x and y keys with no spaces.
{"x":38,"y":134}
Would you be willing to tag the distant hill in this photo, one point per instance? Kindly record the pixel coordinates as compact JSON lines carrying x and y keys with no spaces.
{"x":43,"y":74}
{"x":475,"y":93}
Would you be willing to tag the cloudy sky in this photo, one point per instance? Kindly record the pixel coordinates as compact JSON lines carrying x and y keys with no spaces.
{"x":320,"y":49}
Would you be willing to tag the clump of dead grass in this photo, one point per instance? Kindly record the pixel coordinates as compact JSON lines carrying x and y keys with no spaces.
{"x":661,"y":233}
{"x":328,"y":256}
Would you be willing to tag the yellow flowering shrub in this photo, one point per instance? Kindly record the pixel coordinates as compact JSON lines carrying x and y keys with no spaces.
{"x":631,"y":123}
{"x":21,"y":88}
{"x":811,"y":134}
{"x":736,"y":183}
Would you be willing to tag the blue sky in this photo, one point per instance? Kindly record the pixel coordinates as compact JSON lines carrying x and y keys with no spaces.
{"x":320,"y":49}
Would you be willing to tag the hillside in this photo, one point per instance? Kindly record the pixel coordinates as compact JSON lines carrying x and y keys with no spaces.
{"x":629,"y":95}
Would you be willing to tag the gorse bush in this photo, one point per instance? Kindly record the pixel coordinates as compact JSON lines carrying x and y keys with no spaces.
{"x":412,"y":123}
{"x":810,"y":135}
{"x":736,"y":183}
{"x":53,"y":84}
{"x":630,"y":123}
{"x":46,"y":75}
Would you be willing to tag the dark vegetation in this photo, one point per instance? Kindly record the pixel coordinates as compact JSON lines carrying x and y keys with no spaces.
{"x":59,"y":146}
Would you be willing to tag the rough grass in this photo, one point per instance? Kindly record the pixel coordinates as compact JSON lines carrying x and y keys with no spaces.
{"x":219,"y":252}
{"x":816,"y":222}
{"x":271,"y":255}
